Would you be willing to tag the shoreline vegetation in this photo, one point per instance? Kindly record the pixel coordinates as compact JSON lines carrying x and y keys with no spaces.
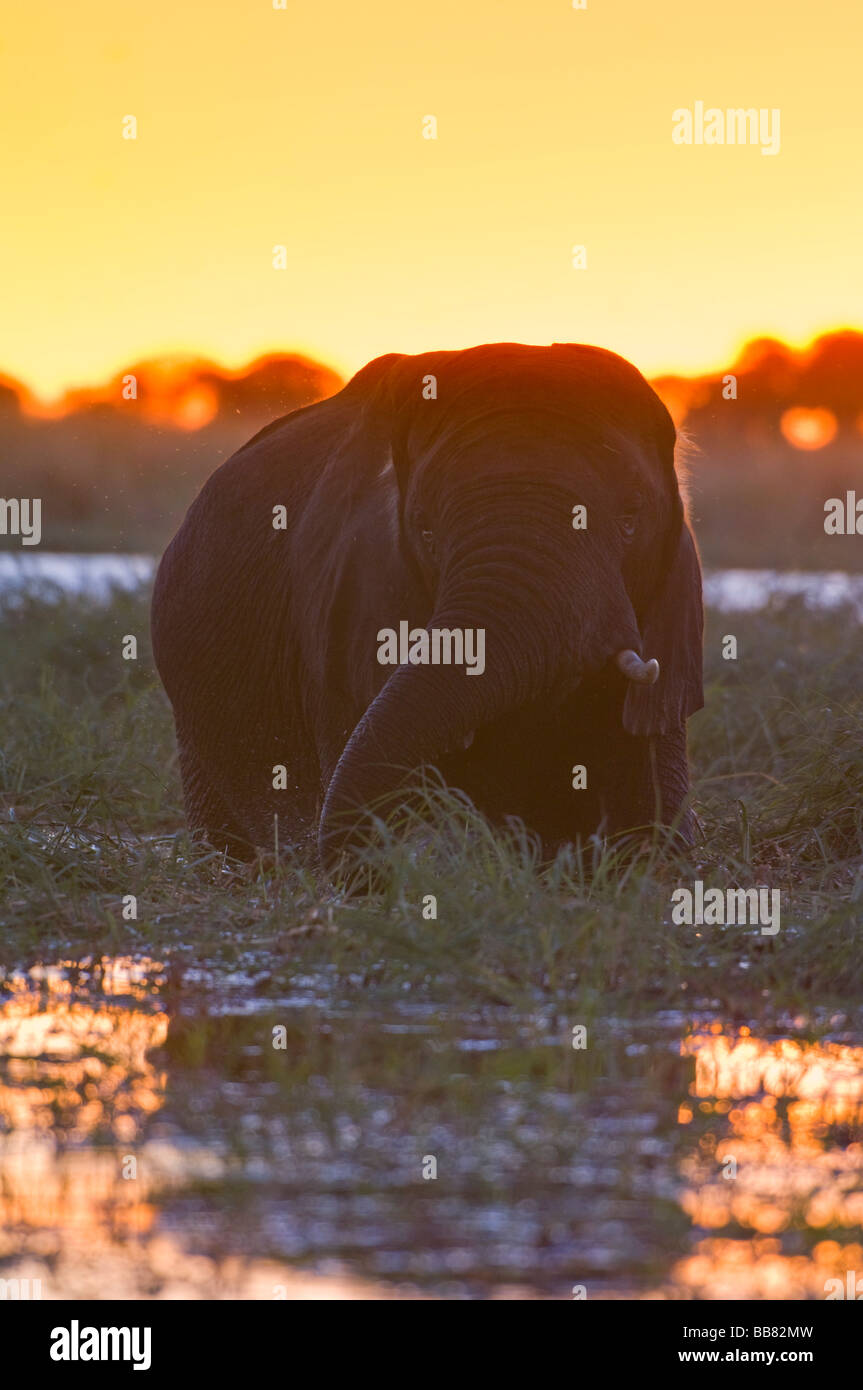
{"x":92,"y":810}
{"x":765,"y":444}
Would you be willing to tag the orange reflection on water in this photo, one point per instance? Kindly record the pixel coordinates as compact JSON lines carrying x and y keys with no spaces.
{"x":75,"y":1083}
{"x":777,"y":1153}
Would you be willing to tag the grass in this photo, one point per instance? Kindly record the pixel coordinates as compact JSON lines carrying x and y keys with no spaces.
{"x":91,"y":811}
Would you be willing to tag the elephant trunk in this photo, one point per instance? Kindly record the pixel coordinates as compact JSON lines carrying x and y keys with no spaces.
{"x":553,"y":608}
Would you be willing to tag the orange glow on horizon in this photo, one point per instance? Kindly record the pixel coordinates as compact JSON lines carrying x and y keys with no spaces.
{"x":189,"y":392}
{"x":196,"y":408}
{"x":807,"y":428}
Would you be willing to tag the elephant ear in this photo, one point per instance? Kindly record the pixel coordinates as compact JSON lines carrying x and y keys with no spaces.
{"x":672,"y":631}
{"x":409,"y":397}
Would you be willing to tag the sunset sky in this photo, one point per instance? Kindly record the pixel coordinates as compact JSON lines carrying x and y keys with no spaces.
{"x":303,"y":127}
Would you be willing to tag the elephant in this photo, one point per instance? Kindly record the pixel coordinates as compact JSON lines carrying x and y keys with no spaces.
{"x":525,"y":493}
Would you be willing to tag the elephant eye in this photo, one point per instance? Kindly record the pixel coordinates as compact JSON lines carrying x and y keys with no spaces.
{"x":628,"y":520}
{"x":429,"y":541}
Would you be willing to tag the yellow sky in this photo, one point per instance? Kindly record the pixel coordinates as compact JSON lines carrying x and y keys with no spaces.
{"x":303,"y":127}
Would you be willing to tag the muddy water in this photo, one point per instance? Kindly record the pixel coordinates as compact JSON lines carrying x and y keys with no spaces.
{"x":155,"y":1143}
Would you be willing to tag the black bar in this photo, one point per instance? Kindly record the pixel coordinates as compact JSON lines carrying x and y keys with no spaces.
{"x":264,"y":1338}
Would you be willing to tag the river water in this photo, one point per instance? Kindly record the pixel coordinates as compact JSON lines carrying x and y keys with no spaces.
{"x":731,"y":590}
{"x":133,"y":1165}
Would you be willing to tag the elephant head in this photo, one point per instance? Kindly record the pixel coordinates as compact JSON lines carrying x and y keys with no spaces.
{"x":537,"y":500}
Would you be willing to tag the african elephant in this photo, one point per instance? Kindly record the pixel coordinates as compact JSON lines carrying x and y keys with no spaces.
{"x":525,"y":493}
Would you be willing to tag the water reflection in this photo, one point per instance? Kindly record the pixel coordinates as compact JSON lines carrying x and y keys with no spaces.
{"x":776,"y":1167}
{"x":81,"y":1186}
{"x":75,"y":1089}
{"x":153,"y":1151}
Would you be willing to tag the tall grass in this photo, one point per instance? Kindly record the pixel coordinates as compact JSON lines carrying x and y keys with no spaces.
{"x":91,"y":811}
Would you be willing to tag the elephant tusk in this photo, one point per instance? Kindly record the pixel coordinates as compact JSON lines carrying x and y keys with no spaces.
{"x":632,"y":666}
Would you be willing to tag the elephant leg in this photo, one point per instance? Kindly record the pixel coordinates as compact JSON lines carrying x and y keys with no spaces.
{"x":649,"y":784}
{"x":231,"y":797}
{"x":207,"y":813}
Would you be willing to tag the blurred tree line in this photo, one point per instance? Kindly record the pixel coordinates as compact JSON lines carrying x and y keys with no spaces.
{"x":768,"y":441}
